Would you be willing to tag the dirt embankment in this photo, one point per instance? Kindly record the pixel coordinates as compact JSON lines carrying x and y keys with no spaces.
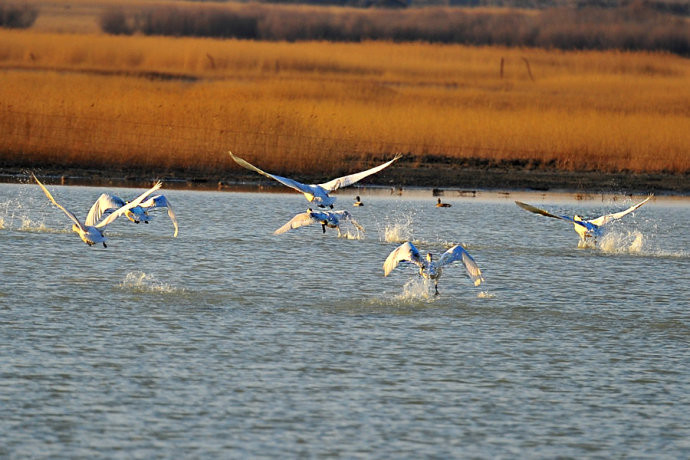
{"x":398,"y":176}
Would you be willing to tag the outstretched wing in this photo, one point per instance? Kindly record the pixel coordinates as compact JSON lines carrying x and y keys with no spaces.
{"x":103,"y":204}
{"x":406,"y":252}
{"x":160,"y":201}
{"x":135,"y":202}
{"x":65,"y":210}
{"x":300,"y":220}
{"x":300,"y":187}
{"x":457,"y":252}
{"x":352,"y":178}
{"x":605,"y":219}
{"x":530,"y":208}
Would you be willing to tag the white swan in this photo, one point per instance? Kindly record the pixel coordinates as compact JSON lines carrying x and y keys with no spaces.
{"x":107,"y":203}
{"x":586,"y":229}
{"x":317,"y":193}
{"x":91,"y":232}
{"x":430,"y":269}
{"x":330,"y":219}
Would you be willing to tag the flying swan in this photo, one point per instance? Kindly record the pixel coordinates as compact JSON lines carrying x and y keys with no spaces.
{"x":430,"y":269}
{"x":107,"y":203}
{"x":331,"y":219}
{"x":586,"y":229}
{"x":91,"y":232}
{"x":317,"y":193}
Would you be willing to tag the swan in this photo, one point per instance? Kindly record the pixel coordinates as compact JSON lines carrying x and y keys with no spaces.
{"x":442,"y":205}
{"x":430,"y":269}
{"x":317,"y":193}
{"x":91,"y":232}
{"x":330,"y":219}
{"x":586,"y":229}
{"x":107,"y":203}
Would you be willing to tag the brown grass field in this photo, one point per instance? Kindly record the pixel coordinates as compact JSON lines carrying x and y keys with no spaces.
{"x":74,"y":97}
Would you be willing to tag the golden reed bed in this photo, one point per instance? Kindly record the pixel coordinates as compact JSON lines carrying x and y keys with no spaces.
{"x":167,"y":104}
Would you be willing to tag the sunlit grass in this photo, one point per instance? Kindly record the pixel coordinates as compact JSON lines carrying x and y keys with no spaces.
{"x":102,"y":101}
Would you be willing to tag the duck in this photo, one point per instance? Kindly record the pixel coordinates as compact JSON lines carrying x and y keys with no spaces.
{"x":357,"y":202}
{"x":317,"y":193}
{"x":587,"y":229}
{"x":90,"y":231}
{"x":428,"y":267}
{"x":330,"y":219}
{"x":439,"y":204}
{"x":106,"y":203}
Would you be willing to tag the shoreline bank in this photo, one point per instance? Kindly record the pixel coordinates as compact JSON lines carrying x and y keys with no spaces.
{"x":436,"y":178}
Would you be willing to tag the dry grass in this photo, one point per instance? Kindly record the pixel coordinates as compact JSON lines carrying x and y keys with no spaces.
{"x":298,"y":107}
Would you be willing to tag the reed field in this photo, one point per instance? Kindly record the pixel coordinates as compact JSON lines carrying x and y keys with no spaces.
{"x":174,"y":105}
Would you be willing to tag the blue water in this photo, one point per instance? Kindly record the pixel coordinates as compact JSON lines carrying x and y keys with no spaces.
{"x":230,"y":342}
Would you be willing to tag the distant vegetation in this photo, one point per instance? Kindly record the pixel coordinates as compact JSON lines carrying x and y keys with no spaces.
{"x":17,"y":16}
{"x":164,"y":104}
{"x":638,"y":26}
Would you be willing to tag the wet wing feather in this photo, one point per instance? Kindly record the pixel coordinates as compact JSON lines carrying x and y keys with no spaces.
{"x":65,"y":210}
{"x":344,"y":181}
{"x":457,"y":252}
{"x":406,"y":252}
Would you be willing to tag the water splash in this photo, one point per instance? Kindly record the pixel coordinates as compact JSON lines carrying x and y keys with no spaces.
{"x":486,"y":295}
{"x":144,"y":282}
{"x":630,"y":242}
{"x":417,"y":289}
{"x":398,"y":231}
{"x":352,"y":235}
{"x":29,"y":225}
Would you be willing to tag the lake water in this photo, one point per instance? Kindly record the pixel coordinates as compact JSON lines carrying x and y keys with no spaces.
{"x":230,"y":342}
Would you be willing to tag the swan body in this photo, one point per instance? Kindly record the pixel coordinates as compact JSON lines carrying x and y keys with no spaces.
{"x":106,"y":203}
{"x":91,"y":232}
{"x":429,"y":268}
{"x":331,"y":219}
{"x":586,"y":229}
{"x":317,"y":193}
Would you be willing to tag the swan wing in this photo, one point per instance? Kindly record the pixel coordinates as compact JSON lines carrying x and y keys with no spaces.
{"x":65,"y":210}
{"x":605,"y":219}
{"x":300,"y":220}
{"x":123,"y":209}
{"x":160,"y":201}
{"x":344,"y":181}
{"x":406,"y":252}
{"x":457,"y":252}
{"x":300,"y":187}
{"x":103,"y":204}
{"x":530,"y":208}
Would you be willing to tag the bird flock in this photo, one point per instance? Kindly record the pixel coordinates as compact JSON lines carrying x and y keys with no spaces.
{"x":108,"y":208}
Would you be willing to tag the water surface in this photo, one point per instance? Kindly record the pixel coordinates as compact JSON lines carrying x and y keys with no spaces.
{"x":231,"y":342}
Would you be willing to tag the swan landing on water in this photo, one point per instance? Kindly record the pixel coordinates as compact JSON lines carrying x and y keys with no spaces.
{"x":91,"y":232}
{"x":107,"y":203}
{"x":331,"y":219}
{"x":430,"y":269}
{"x":587,"y":229}
{"x":317,"y":193}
